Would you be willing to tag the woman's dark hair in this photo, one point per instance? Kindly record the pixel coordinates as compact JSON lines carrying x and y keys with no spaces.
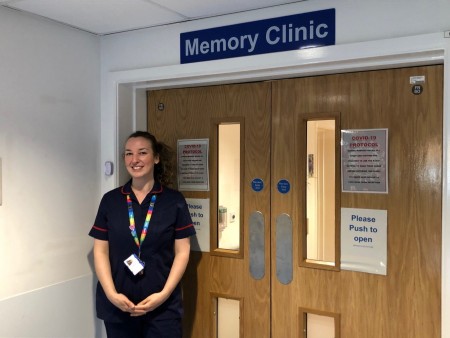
{"x":165,"y":169}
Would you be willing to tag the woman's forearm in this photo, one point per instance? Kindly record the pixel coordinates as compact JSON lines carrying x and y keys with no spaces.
{"x":182,"y":251}
{"x":103,"y":270}
{"x":103,"y":267}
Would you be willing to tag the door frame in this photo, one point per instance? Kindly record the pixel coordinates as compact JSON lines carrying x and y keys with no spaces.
{"x":123,"y":98}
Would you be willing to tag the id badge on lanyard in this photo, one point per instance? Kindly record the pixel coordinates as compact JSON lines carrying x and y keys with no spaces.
{"x":134,"y":262}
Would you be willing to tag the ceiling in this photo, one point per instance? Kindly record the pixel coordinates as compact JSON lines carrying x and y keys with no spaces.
{"x":103,"y":17}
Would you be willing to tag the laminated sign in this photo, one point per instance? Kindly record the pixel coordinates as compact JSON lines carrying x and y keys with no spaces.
{"x":364,"y":160}
{"x":193,"y":170}
{"x":364,"y":240}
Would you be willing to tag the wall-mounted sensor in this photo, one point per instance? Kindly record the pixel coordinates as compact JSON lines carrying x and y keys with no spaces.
{"x":109,"y":168}
{"x":232,"y":217}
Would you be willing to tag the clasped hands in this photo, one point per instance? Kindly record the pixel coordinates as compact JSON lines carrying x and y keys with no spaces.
{"x":148,"y":304}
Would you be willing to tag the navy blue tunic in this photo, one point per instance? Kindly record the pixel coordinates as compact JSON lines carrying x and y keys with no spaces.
{"x":171,"y":220}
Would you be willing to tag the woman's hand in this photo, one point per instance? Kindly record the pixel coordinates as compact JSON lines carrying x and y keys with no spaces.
{"x":122,"y":302}
{"x":103,"y":270}
{"x":149,"y":304}
{"x":182,"y":250}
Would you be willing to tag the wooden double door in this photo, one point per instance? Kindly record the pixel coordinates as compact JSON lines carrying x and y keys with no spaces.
{"x":406,"y":301}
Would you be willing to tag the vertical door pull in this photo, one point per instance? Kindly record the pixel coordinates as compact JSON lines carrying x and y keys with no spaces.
{"x":284,"y":248}
{"x":256,"y":245}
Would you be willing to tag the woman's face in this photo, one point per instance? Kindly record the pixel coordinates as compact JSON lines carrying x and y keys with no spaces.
{"x":139,"y":158}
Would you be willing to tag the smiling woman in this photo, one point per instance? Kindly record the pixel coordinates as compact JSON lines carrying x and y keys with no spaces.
{"x":138,"y":293}
{"x":140,"y":161}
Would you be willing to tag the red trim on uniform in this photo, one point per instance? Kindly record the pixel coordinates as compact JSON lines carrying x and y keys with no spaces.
{"x":157,"y":192}
{"x":187,"y":226}
{"x":99,"y":229}
{"x":122,"y":190}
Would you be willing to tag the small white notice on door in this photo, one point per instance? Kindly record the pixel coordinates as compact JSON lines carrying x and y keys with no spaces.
{"x":364,"y":240}
{"x":199,"y":209}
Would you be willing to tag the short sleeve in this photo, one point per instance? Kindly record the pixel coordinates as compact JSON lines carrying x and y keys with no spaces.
{"x":184,"y":226}
{"x":100,"y":228}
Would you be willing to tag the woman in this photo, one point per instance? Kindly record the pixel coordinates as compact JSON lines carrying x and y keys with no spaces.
{"x":141,"y":247}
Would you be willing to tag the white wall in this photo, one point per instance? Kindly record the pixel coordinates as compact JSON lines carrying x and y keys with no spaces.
{"x":49,"y":146}
{"x":356,"y":21}
{"x":369,"y":34}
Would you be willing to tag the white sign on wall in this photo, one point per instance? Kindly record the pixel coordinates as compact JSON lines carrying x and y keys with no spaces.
{"x":364,"y":240}
{"x":199,"y":209}
{"x":364,"y":160}
{"x":193,"y":171}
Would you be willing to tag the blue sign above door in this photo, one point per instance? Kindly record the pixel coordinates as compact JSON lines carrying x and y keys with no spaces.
{"x":299,"y":31}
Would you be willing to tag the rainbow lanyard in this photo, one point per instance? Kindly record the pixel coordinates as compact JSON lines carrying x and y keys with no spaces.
{"x":146,"y":223}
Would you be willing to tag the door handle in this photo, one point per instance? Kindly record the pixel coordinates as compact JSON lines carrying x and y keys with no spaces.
{"x":283,"y":236}
{"x":257,"y":245}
